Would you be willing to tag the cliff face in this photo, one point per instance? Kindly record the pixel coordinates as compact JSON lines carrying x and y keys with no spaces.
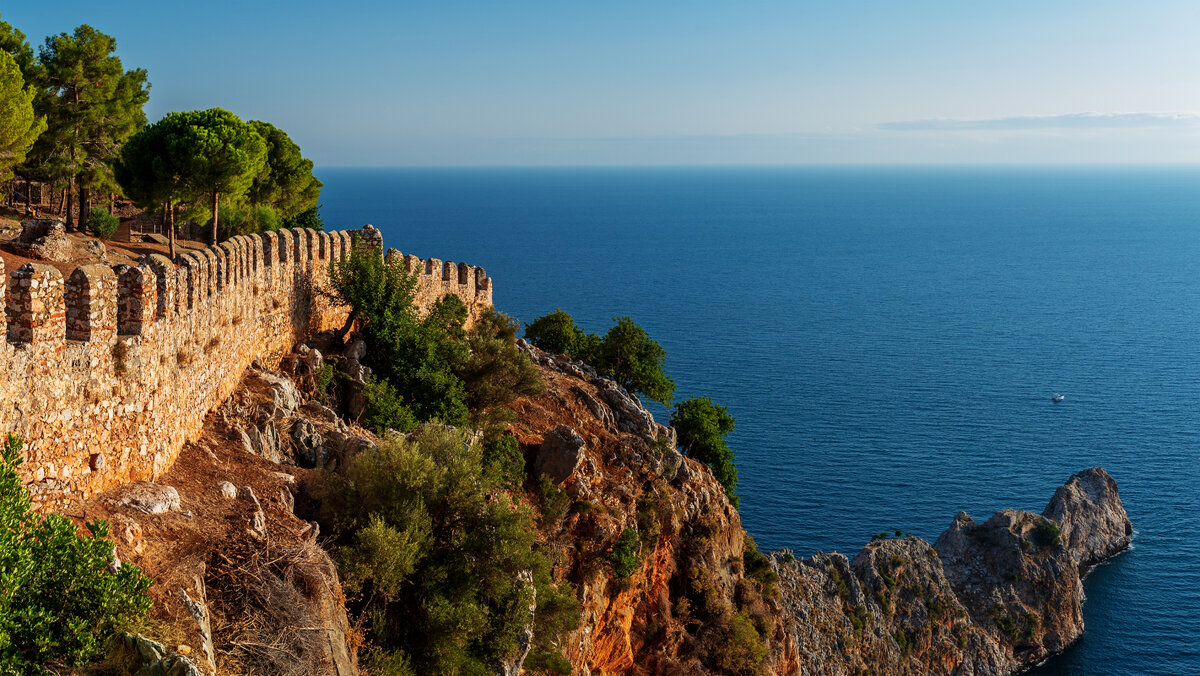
{"x":990,"y":598}
{"x":689,"y":606}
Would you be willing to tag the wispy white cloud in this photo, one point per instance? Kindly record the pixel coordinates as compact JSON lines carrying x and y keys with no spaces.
{"x":1038,"y":122}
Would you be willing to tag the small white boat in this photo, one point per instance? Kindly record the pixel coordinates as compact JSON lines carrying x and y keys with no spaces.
{"x":1057,"y":397}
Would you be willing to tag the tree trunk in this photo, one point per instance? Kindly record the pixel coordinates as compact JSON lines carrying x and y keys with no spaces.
{"x":70,"y":204}
{"x":27,"y":189}
{"x":112,"y":203}
{"x":171,"y":227}
{"x":85,"y":203}
{"x":216,"y":200}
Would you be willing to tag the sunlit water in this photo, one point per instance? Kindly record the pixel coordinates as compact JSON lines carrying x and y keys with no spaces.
{"x":888,"y":340}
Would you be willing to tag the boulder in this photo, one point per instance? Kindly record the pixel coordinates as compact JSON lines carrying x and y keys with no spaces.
{"x":150,"y":498}
{"x":308,"y":445}
{"x":227,"y":489}
{"x":560,"y":453}
{"x":284,"y":395}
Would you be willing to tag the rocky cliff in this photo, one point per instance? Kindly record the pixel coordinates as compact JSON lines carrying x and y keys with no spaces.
{"x":987,"y":598}
{"x":668,"y":581}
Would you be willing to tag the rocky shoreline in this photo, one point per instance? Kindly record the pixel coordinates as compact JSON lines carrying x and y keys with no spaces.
{"x":997,"y":597}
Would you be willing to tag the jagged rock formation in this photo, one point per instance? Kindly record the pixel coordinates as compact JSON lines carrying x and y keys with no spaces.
{"x":990,"y":598}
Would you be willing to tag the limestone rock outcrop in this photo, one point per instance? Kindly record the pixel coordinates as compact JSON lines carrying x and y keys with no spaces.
{"x":988,"y":598}
{"x":1090,"y":515}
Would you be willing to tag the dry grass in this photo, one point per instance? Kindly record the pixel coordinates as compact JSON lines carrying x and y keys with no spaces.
{"x":266,"y":606}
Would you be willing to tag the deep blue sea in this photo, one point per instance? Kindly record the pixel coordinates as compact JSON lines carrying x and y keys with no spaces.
{"x":888,"y":340}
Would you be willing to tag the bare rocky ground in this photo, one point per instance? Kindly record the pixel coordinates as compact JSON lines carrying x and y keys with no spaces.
{"x":218,"y":536}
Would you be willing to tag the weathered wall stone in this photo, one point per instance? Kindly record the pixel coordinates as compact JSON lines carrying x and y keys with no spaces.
{"x":154,"y":347}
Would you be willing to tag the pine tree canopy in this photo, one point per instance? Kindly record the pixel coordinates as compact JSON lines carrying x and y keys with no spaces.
{"x":286,"y":181}
{"x":19,"y":127}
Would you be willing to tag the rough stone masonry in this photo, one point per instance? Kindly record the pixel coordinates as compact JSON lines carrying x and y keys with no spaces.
{"x":107,"y":374}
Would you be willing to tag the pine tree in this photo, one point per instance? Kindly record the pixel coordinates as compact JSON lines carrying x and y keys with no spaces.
{"x":216,"y":154}
{"x":147,"y":171}
{"x":92,"y":106}
{"x":286,"y":181}
{"x":19,"y":127}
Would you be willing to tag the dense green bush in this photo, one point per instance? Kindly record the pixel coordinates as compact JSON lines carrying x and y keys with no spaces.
{"x":702,"y":427}
{"x":626,"y":554}
{"x":552,"y":500}
{"x":435,"y":550}
{"x":1046,"y":534}
{"x":103,"y":223}
{"x":58,"y":602}
{"x":758,"y":567}
{"x":439,"y":370}
{"x":626,"y":353}
{"x":556,"y":333}
{"x":502,"y":455}
{"x":495,"y":372}
{"x":385,"y":408}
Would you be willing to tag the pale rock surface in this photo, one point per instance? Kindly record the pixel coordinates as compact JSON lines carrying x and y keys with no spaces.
{"x":560,"y":453}
{"x":150,"y":498}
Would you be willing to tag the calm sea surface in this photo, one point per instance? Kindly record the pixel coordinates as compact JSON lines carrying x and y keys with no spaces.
{"x":888,"y":340}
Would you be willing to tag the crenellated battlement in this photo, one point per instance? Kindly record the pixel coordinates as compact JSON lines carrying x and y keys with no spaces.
{"x":108,"y":373}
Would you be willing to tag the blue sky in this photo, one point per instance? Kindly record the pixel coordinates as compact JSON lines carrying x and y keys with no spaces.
{"x":519,"y":83}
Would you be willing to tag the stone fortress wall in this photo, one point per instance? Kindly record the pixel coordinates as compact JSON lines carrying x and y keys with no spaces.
{"x":107,"y":374}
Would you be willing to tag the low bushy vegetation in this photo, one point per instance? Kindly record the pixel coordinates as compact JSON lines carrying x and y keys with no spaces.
{"x":438,"y":370}
{"x":626,"y":353}
{"x":103,"y":223}
{"x":1047,"y":534}
{"x":444,"y":563}
{"x":626,"y":554}
{"x":58,"y":600}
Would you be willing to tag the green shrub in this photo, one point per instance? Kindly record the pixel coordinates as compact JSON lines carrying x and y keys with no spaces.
{"x":554,"y":501}
{"x":555,"y":333}
{"x":758,"y":567}
{"x":626,"y":557}
{"x":103,"y":223}
{"x":702,"y":427}
{"x":385,"y":408}
{"x":495,"y":372}
{"x":626,"y":353}
{"x":58,"y":602}
{"x":417,"y":357}
{"x":436,"y":553}
{"x":502,"y":455}
{"x":323,"y":379}
{"x":1046,"y":534}
{"x":743,"y":648}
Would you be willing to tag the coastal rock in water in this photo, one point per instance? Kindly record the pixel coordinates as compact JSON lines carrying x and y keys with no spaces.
{"x":1089,"y":513}
{"x":560,"y":453}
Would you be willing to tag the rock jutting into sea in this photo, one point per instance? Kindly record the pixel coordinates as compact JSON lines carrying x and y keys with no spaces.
{"x":987,"y":598}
